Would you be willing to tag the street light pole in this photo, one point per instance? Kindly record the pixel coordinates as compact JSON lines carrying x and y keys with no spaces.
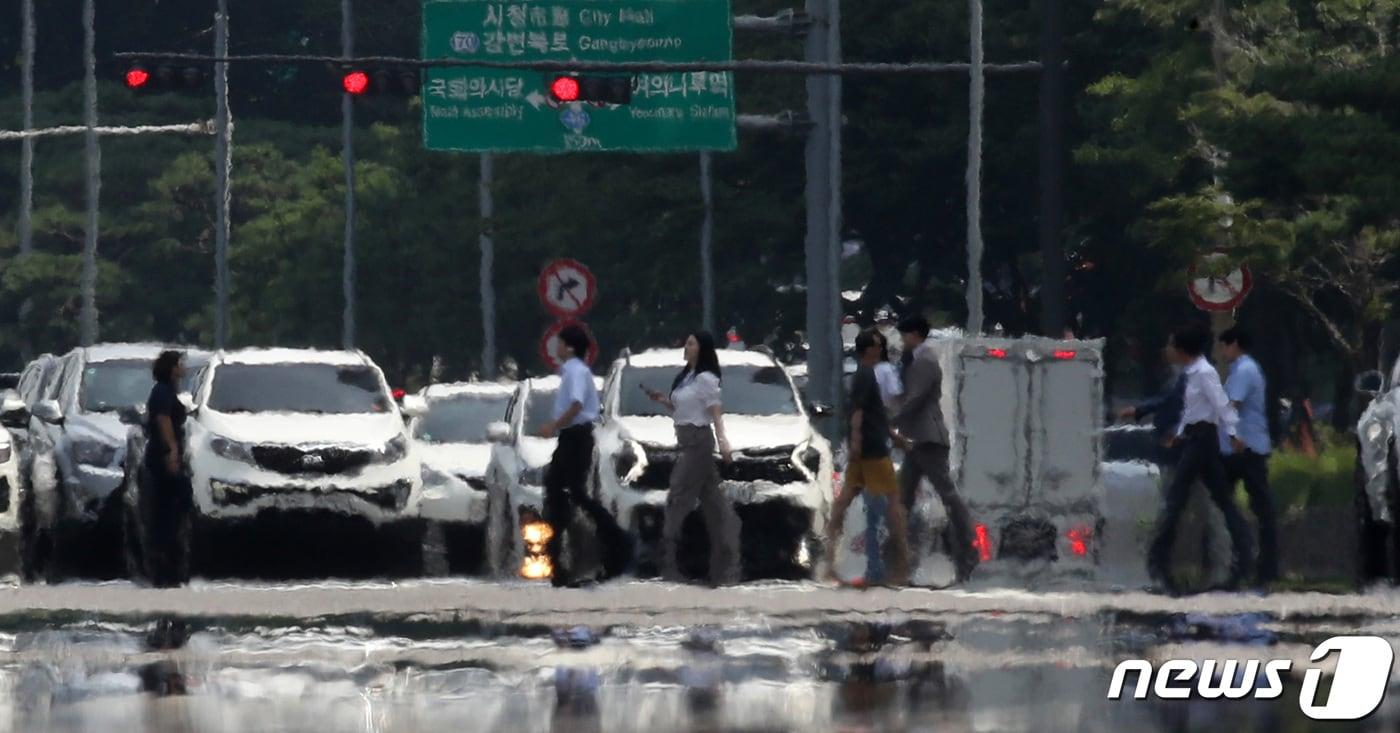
{"x":488,"y":256}
{"x":976,"y":93}
{"x":347,"y":125}
{"x":87,"y":282}
{"x":223,"y":152}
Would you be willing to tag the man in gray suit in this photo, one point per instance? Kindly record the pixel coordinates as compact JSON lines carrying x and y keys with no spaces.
{"x":919,"y":423}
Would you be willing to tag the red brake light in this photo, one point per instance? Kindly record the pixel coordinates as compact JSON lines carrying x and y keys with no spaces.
{"x":983,"y":542}
{"x":355,"y":82}
{"x":1066,"y":355}
{"x":399,"y":394}
{"x":997,"y":353}
{"x":137,"y":78}
{"x":1079,"y":540}
{"x":733,"y":337}
{"x":565,"y":89}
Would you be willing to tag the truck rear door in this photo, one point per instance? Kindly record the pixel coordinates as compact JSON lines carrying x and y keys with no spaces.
{"x":1067,"y":398}
{"x":993,"y":441}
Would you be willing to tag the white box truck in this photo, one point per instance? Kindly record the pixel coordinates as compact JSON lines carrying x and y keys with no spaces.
{"x":1026,"y":421}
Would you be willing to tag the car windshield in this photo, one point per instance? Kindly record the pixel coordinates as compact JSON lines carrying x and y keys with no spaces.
{"x":461,"y":419}
{"x":330,"y":389}
{"x":539,"y":409}
{"x":194,"y":371}
{"x":747,"y":390}
{"x":112,"y":385}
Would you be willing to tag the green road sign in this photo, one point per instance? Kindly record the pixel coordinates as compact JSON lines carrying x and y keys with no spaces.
{"x":507,"y":110}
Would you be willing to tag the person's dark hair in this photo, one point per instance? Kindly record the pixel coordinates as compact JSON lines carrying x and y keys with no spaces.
{"x":1238,"y":337}
{"x":865,"y":340}
{"x":163,"y":368}
{"x":1191,"y":340}
{"x":577,"y":339}
{"x":915,"y":324}
{"x":884,"y":346}
{"x":706,"y":361}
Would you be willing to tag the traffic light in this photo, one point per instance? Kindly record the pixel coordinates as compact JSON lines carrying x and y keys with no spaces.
{"x":596,"y":89}
{"x":386,"y":82}
{"x":142,"y":77}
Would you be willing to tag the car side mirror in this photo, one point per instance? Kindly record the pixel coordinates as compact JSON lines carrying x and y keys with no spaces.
{"x":498,"y":432}
{"x":414,"y":406}
{"x":48,"y":411}
{"x":819,"y":409}
{"x":1370,"y":383}
{"x":13,"y":412}
{"x":134,"y":415}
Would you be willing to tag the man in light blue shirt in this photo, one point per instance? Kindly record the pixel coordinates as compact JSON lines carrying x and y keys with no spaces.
{"x":566,"y":481}
{"x":1250,"y":463}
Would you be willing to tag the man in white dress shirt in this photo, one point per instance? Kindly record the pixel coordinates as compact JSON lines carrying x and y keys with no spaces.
{"x":1207,"y":418}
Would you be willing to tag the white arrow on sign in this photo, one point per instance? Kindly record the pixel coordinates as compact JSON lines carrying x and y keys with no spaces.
{"x":535,"y":99}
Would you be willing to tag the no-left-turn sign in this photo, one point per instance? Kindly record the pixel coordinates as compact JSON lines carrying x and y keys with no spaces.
{"x":1219,"y":291}
{"x":567,"y":289}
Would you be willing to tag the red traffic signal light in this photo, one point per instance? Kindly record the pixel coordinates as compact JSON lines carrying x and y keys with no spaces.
{"x":355,"y":82}
{"x":380,"y":82}
{"x":565,"y":89}
{"x":597,"y":89}
{"x":137,"y":77}
{"x":140,"y":77}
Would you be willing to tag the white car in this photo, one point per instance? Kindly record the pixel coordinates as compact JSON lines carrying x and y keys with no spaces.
{"x":9,"y":501}
{"x":780,"y":480}
{"x":76,"y":451}
{"x":1377,"y":477}
{"x":299,"y":436}
{"x":451,"y":438}
{"x":515,"y":527}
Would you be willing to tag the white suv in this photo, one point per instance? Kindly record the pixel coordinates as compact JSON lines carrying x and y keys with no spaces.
{"x":295,"y":432}
{"x":780,"y":480}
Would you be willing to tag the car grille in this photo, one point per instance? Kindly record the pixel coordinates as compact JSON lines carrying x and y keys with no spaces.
{"x":392,"y":496}
{"x":320,"y":461}
{"x":1028,"y":538}
{"x":775,"y":469}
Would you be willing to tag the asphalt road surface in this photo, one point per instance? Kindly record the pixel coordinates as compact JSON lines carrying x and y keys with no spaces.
{"x":640,"y":656}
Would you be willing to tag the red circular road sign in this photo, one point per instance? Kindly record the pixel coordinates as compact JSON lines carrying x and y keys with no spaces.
{"x":566,"y":288}
{"x":549,"y":344}
{"x":1219,"y":293}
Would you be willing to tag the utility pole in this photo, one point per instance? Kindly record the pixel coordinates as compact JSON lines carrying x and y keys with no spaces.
{"x":87,"y":282}
{"x":26,"y":164}
{"x":823,"y":371}
{"x":977,"y":90}
{"x":223,"y":153}
{"x":1052,"y":157}
{"x":488,"y":255}
{"x":347,"y":125}
{"x":707,"y":228}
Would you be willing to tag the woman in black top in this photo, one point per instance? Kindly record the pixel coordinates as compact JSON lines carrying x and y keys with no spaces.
{"x":169,"y":490}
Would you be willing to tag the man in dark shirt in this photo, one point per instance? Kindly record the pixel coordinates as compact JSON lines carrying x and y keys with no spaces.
{"x":869,"y":469}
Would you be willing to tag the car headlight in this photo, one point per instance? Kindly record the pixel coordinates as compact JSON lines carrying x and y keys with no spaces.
{"x":232,"y":450}
{"x":811,"y":459}
{"x":93,"y":453}
{"x":625,"y":460}
{"x":533,"y":476}
{"x":394,"y":450}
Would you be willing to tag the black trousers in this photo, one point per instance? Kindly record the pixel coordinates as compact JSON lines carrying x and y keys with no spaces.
{"x":566,"y":487}
{"x":1253,"y":469}
{"x":1200,"y":460}
{"x":169,"y":502}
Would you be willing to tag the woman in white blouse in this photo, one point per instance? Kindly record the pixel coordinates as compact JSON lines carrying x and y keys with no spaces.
{"x":698,"y":414}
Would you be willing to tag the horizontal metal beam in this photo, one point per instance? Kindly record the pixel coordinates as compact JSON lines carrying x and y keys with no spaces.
{"x":789,"y":21}
{"x":786,"y":121}
{"x":194,"y":128}
{"x":802,"y":68}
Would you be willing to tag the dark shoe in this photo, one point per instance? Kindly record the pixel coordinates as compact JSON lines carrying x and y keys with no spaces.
{"x":1162,"y":586}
